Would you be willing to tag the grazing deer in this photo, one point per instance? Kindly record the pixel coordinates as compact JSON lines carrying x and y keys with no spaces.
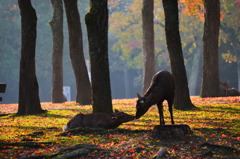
{"x":98,"y":120}
{"x":161,"y":88}
{"x":223,"y":87}
{"x":233,"y":92}
{"x":225,"y":91}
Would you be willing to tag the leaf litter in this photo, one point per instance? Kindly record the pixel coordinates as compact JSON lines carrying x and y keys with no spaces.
{"x":215,"y":125}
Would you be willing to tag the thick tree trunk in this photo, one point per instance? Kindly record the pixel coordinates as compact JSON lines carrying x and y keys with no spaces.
{"x":29,"y":102}
{"x":182,"y":99}
{"x":149,"y":69}
{"x":57,"y":65}
{"x":210,"y":79}
{"x":97,"y":28}
{"x":76,"y":53}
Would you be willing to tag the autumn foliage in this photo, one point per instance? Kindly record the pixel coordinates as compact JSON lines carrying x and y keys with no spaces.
{"x":216,"y":121}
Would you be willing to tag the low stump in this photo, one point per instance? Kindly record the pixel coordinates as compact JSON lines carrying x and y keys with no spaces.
{"x":171,"y":131}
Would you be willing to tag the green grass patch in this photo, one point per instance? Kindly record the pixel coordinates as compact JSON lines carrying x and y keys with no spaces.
{"x":216,"y":121}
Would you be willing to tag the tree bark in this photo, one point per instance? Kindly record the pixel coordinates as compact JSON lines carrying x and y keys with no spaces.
{"x":97,"y":28}
{"x":29,"y":102}
{"x":210,"y":78}
{"x":182,"y":99}
{"x":76,"y":53}
{"x":57,"y":65}
{"x":149,"y":69}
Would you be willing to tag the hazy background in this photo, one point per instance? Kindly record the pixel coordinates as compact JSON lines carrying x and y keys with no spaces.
{"x":125,"y":54}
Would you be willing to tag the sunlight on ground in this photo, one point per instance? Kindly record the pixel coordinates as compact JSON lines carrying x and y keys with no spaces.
{"x":212,"y":114}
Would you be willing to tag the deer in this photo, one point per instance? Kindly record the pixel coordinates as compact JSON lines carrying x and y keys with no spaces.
{"x":223,"y":88}
{"x":161,"y":88}
{"x":233,"y":92}
{"x":98,"y":120}
{"x":225,"y":91}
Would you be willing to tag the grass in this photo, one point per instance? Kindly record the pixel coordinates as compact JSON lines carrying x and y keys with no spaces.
{"x":216,"y":121}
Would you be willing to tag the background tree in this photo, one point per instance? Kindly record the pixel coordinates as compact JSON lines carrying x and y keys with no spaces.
{"x":76,"y":53}
{"x":210,"y":78}
{"x":191,"y":16}
{"x":125,"y":45}
{"x":10,"y":40}
{"x":148,"y":43}
{"x":97,"y":29}
{"x":128,"y":33}
{"x":57,"y":65}
{"x":182,"y":99}
{"x":230,"y":41}
{"x":29,"y":102}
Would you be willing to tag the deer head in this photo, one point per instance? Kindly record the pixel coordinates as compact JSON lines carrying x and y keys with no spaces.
{"x":143,"y":104}
{"x":122,"y":117}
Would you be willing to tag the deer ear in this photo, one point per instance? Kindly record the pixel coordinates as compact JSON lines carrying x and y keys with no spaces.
{"x":138,"y":95}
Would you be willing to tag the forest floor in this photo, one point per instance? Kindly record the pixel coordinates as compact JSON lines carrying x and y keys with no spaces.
{"x":215,"y":124}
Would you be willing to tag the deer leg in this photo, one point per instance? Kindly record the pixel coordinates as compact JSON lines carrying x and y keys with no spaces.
{"x":160,"y":111}
{"x":170,"y":110}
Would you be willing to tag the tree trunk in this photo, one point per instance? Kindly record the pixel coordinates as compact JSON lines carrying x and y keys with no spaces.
{"x":182,"y":99}
{"x":29,"y":102}
{"x":76,"y":53}
{"x":149,"y":69}
{"x":97,"y":29}
{"x":57,"y":65}
{"x":126,"y":81}
{"x":210,"y":78}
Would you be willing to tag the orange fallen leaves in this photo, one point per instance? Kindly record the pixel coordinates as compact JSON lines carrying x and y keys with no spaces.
{"x":216,"y":119}
{"x":131,"y":150}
